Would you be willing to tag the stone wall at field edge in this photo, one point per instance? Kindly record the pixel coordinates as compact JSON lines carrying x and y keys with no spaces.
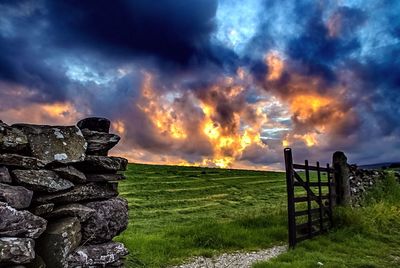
{"x":59,"y":204}
{"x":361,"y":180}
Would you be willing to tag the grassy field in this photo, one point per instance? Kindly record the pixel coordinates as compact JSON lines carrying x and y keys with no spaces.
{"x":178,"y":212}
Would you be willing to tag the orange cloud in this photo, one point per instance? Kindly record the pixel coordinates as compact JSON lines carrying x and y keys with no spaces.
{"x":60,"y":113}
{"x":227,"y":137}
{"x":160,"y":111}
{"x":275,"y":65}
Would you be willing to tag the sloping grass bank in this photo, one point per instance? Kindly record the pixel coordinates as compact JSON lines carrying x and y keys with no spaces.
{"x":368,"y":236}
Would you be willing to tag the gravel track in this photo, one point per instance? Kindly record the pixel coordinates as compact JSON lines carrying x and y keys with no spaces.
{"x":235,"y":260}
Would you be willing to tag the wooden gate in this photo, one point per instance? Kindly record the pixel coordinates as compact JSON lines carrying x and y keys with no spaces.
{"x":308,"y":215}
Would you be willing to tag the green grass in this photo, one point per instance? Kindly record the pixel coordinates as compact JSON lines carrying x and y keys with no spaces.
{"x":368,"y":236}
{"x":179,"y":212}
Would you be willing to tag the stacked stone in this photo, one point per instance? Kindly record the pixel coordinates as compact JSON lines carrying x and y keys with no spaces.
{"x":361,"y":180}
{"x":59,"y":204}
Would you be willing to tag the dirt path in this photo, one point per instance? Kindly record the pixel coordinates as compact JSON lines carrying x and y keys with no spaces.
{"x":235,"y":260}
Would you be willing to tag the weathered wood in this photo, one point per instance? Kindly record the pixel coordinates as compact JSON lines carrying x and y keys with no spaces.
{"x":313,"y":198}
{"x":303,"y":167}
{"x":313,"y":184}
{"x":341,"y":178}
{"x":308,"y":198}
{"x":290,"y":197}
{"x":322,"y":214}
{"x":300,"y":180}
{"x":311,"y":223}
{"x":331,"y":197}
{"x":321,"y":223}
{"x":305,"y":212}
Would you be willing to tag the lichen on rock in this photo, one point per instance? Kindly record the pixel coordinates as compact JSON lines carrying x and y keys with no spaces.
{"x":59,"y":143}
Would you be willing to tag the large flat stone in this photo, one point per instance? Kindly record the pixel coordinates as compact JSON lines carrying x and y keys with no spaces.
{"x":5,"y":176}
{"x":103,"y":164}
{"x":59,"y":240}
{"x":19,"y":161}
{"x":63,"y":144}
{"x":16,"y":250}
{"x":104,"y":177}
{"x":16,"y":196}
{"x":95,"y":124}
{"x":70,"y":173}
{"x":99,"y":143}
{"x":101,"y":255}
{"x":110,"y":219}
{"x":12,"y":140}
{"x":43,"y":209}
{"x":83,"y":213}
{"x":14,"y":223}
{"x":41,"y":180}
{"x":90,"y":191}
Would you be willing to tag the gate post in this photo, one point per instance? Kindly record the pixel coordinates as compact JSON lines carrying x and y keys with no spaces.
{"x":290,"y":196}
{"x":341,"y":178}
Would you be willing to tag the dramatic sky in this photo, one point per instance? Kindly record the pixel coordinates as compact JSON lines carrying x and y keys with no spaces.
{"x":207,"y":82}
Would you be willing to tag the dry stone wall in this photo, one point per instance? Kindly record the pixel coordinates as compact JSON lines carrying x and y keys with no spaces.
{"x":59,"y":204}
{"x":361,"y":180}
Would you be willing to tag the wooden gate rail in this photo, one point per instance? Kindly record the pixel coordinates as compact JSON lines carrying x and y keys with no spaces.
{"x":324,"y":202}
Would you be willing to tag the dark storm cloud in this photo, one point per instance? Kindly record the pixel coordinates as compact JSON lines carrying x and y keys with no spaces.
{"x":37,"y":37}
{"x":176,"y":31}
{"x":381,"y":85}
{"x":22,"y":65}
{"x":257,"y":155}
{"x":24,"y":53}
{"x":314,"y":48}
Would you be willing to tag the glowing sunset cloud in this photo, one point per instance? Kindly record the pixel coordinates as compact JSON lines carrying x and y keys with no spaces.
{"x":227,"y":140}
{"x":51,"y":113}
{"x":275,"y":65}
{"x":119,"y":127}
{"x":162,"y":115}
{"x":227,"y":144}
